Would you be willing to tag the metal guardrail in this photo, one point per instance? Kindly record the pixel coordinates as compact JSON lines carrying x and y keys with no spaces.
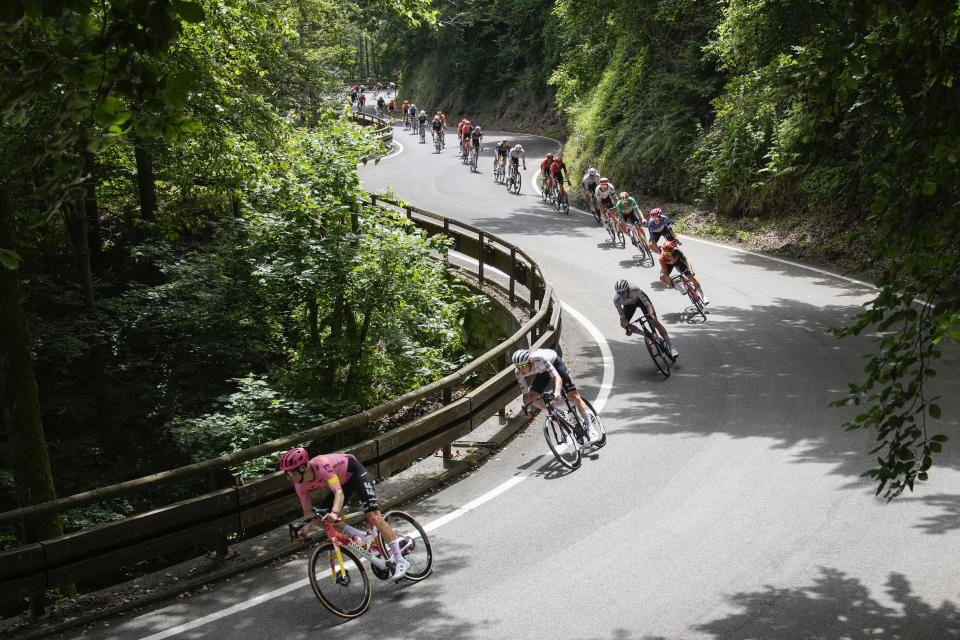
{"x":384,"y":130}
{"x":230,"y":508}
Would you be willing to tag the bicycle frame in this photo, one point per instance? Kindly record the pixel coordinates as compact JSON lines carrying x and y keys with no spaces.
{"x":337,"y":539}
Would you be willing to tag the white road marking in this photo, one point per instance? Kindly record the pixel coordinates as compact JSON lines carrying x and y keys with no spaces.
{"x":276,"y":593}
{"x":606,"y":383}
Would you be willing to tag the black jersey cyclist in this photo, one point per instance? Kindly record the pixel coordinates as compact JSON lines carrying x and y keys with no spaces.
{"x":437,"y":128}
{"x":547,"y":367}
{"x":501,"y":151}
{"x":627,"y":300}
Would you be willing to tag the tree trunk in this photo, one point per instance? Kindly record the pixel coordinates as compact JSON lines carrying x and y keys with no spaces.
{"x":145,"y":180}
{"x":21,"y":415}
{"x":76,"y":219}
{"x":91,"y":207}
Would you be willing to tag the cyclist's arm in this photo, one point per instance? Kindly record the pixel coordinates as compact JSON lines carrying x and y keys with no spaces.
{"x":338,"y":499}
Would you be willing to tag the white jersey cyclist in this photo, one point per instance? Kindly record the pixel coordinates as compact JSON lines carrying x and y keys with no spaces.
{"x":606,"y":192}
{"x":591,"y":180}
{"x":548,"y":370}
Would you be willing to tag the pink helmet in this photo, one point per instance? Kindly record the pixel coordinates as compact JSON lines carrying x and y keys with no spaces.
{"x":604,"y":180}
{"x":293,"y":459}
{"x":656,"y":212}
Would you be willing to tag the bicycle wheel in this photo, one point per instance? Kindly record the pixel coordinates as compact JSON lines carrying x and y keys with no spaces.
{"x":565,"y":203}
{"x":695,"y":298}
{"x":414,"y":544}
{"x":598,"y":425}
{"x":560,"y":439}
{"x":657,"y":354}
{"x":620,"y":239}
{"x":595,"y":209}
{"x":517,"y":181}
{"x":342,"y":587}
{"x":610,"y":230}
{"x":473,"y":160}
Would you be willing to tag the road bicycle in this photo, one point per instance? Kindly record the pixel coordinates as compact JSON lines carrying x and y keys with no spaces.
{"x":437,"y":142}
{"x":594,"y":207}
{"x":656,"y":346}
{"x":685,"y":286}
{"x":498,"y":168}
{"x":544,"y":191}
{"x":565,"y":432}
{"x":337,"y":575}
{"x":474,"y":156}
{"x":423,"y":134}
{"x":513,"y":178}
{"x":640,"y":242}
{"x":379,"y":112}
{"x":562,"y":202}
{"x":612,"y":226}
{"x":406,"y":122}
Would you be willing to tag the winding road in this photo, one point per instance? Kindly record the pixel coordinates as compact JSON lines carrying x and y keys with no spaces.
{"x":727,"y":504}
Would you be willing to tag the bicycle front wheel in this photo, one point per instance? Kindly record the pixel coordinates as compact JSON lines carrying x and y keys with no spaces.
{"x":560,"y":439}
{"x":340,"y":582}
{"x":598,"y":425}
{"x":414,"y":544}
{"x":695,"y":298}
{"x":620,"y":239}
{"x":565,"y":203}
{"x":658,"y":355}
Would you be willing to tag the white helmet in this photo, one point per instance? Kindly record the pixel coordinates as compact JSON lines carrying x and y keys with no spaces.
{"x":591,"y":171}
{"x":519,"y":147}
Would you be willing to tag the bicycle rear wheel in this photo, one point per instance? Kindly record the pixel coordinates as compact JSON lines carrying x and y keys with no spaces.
{"x":620,"y":239}
{"x":342,"y":586}
{"x":695,"y":299}
{"x":414,"y":544}
{"x":657,"y":354}
{"x":565,"y":203}
{"x":560,"y":439}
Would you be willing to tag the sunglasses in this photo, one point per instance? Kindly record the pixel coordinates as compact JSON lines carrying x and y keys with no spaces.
{"x":620,"y":293}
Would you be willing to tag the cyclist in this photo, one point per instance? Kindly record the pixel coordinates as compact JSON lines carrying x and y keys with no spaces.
{"x":391,"y":107}
{"x":393,"y":88}
{"x":344,"y":476}
{"x":403,"y":108}
{"x":629,"y":213}
{"x":659,"y":225}
{"x":381,"y":106}
{"x":438,"y":129}
{"x":545,"y":172}
{"x":558,"y":169}
{"x":476,"y":136}
{"x":590,"y":181}
{"x":465,"y":133}
{"x":500,"y":151}
{"x":605,"y":194}
{"x":362,"y":99}
{"x":672,"y":257}
{"x":627,"y":299}
{"x":377,"y":88}
{"x":422,"y":118}
{"x":516,"y":155}
{"x":546,"y":366}
{"x":412,"y":110}
{"x":442,"y":117}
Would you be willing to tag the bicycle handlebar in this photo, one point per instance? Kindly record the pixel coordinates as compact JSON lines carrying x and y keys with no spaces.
{"x":318,"y":513}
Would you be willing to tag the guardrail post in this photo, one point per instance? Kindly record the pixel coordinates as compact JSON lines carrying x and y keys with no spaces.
{"x":447,"y":448}
{"x":373,"y":199}
{"x":409,"y":212}
{"x":513,"y":269}
{"x":480,"y":260}
{"x":504,"y":363}
{"x":216,"y":480}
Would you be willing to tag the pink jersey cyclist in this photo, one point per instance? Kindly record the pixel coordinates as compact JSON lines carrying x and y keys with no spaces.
{"x":329,"y":470}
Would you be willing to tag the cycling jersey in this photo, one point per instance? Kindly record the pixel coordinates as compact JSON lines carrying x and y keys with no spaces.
{"x":635,"y":297}
{"x":590,"y":181}
{"x":659,"y":227}
{"x":556,"y":167}
{"x":515,"y":153}
{"x":542,"y":362}
{"x":422,"y":118}
{"x":605,"y":194}
{"x":545,"y":165}
{"x":476,"y":136}
{"x":677,"y":259}
{"x":329,"y":470}
{"x":629,"y":209}
{"x":438,"y":124}
{"x":502,"y":149}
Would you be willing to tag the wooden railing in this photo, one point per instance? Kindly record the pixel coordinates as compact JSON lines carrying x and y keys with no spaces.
{"x":230,"y":508}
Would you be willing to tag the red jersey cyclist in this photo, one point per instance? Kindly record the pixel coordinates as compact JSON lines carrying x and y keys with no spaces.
{"x":558,"y":170}
{"x":627,"y":300}
{"x":545,"y":171}
{"x":546,"y":367}
{"x":672,"y":257}
{"x":339,"y":472}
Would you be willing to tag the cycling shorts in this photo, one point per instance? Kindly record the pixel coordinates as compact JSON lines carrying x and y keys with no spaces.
{"x":359,"y":486}
{"x":502,"y":152}
{"x":631,"y":218}
{"x":607,"y":202}
{"x":666,"y":233}
{"x":542,"y":381}
{"x":630,"y":309}
{"x":592,"y":187}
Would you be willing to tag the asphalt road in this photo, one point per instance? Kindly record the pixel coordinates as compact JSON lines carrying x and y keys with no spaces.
{"x":726,"y":505}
